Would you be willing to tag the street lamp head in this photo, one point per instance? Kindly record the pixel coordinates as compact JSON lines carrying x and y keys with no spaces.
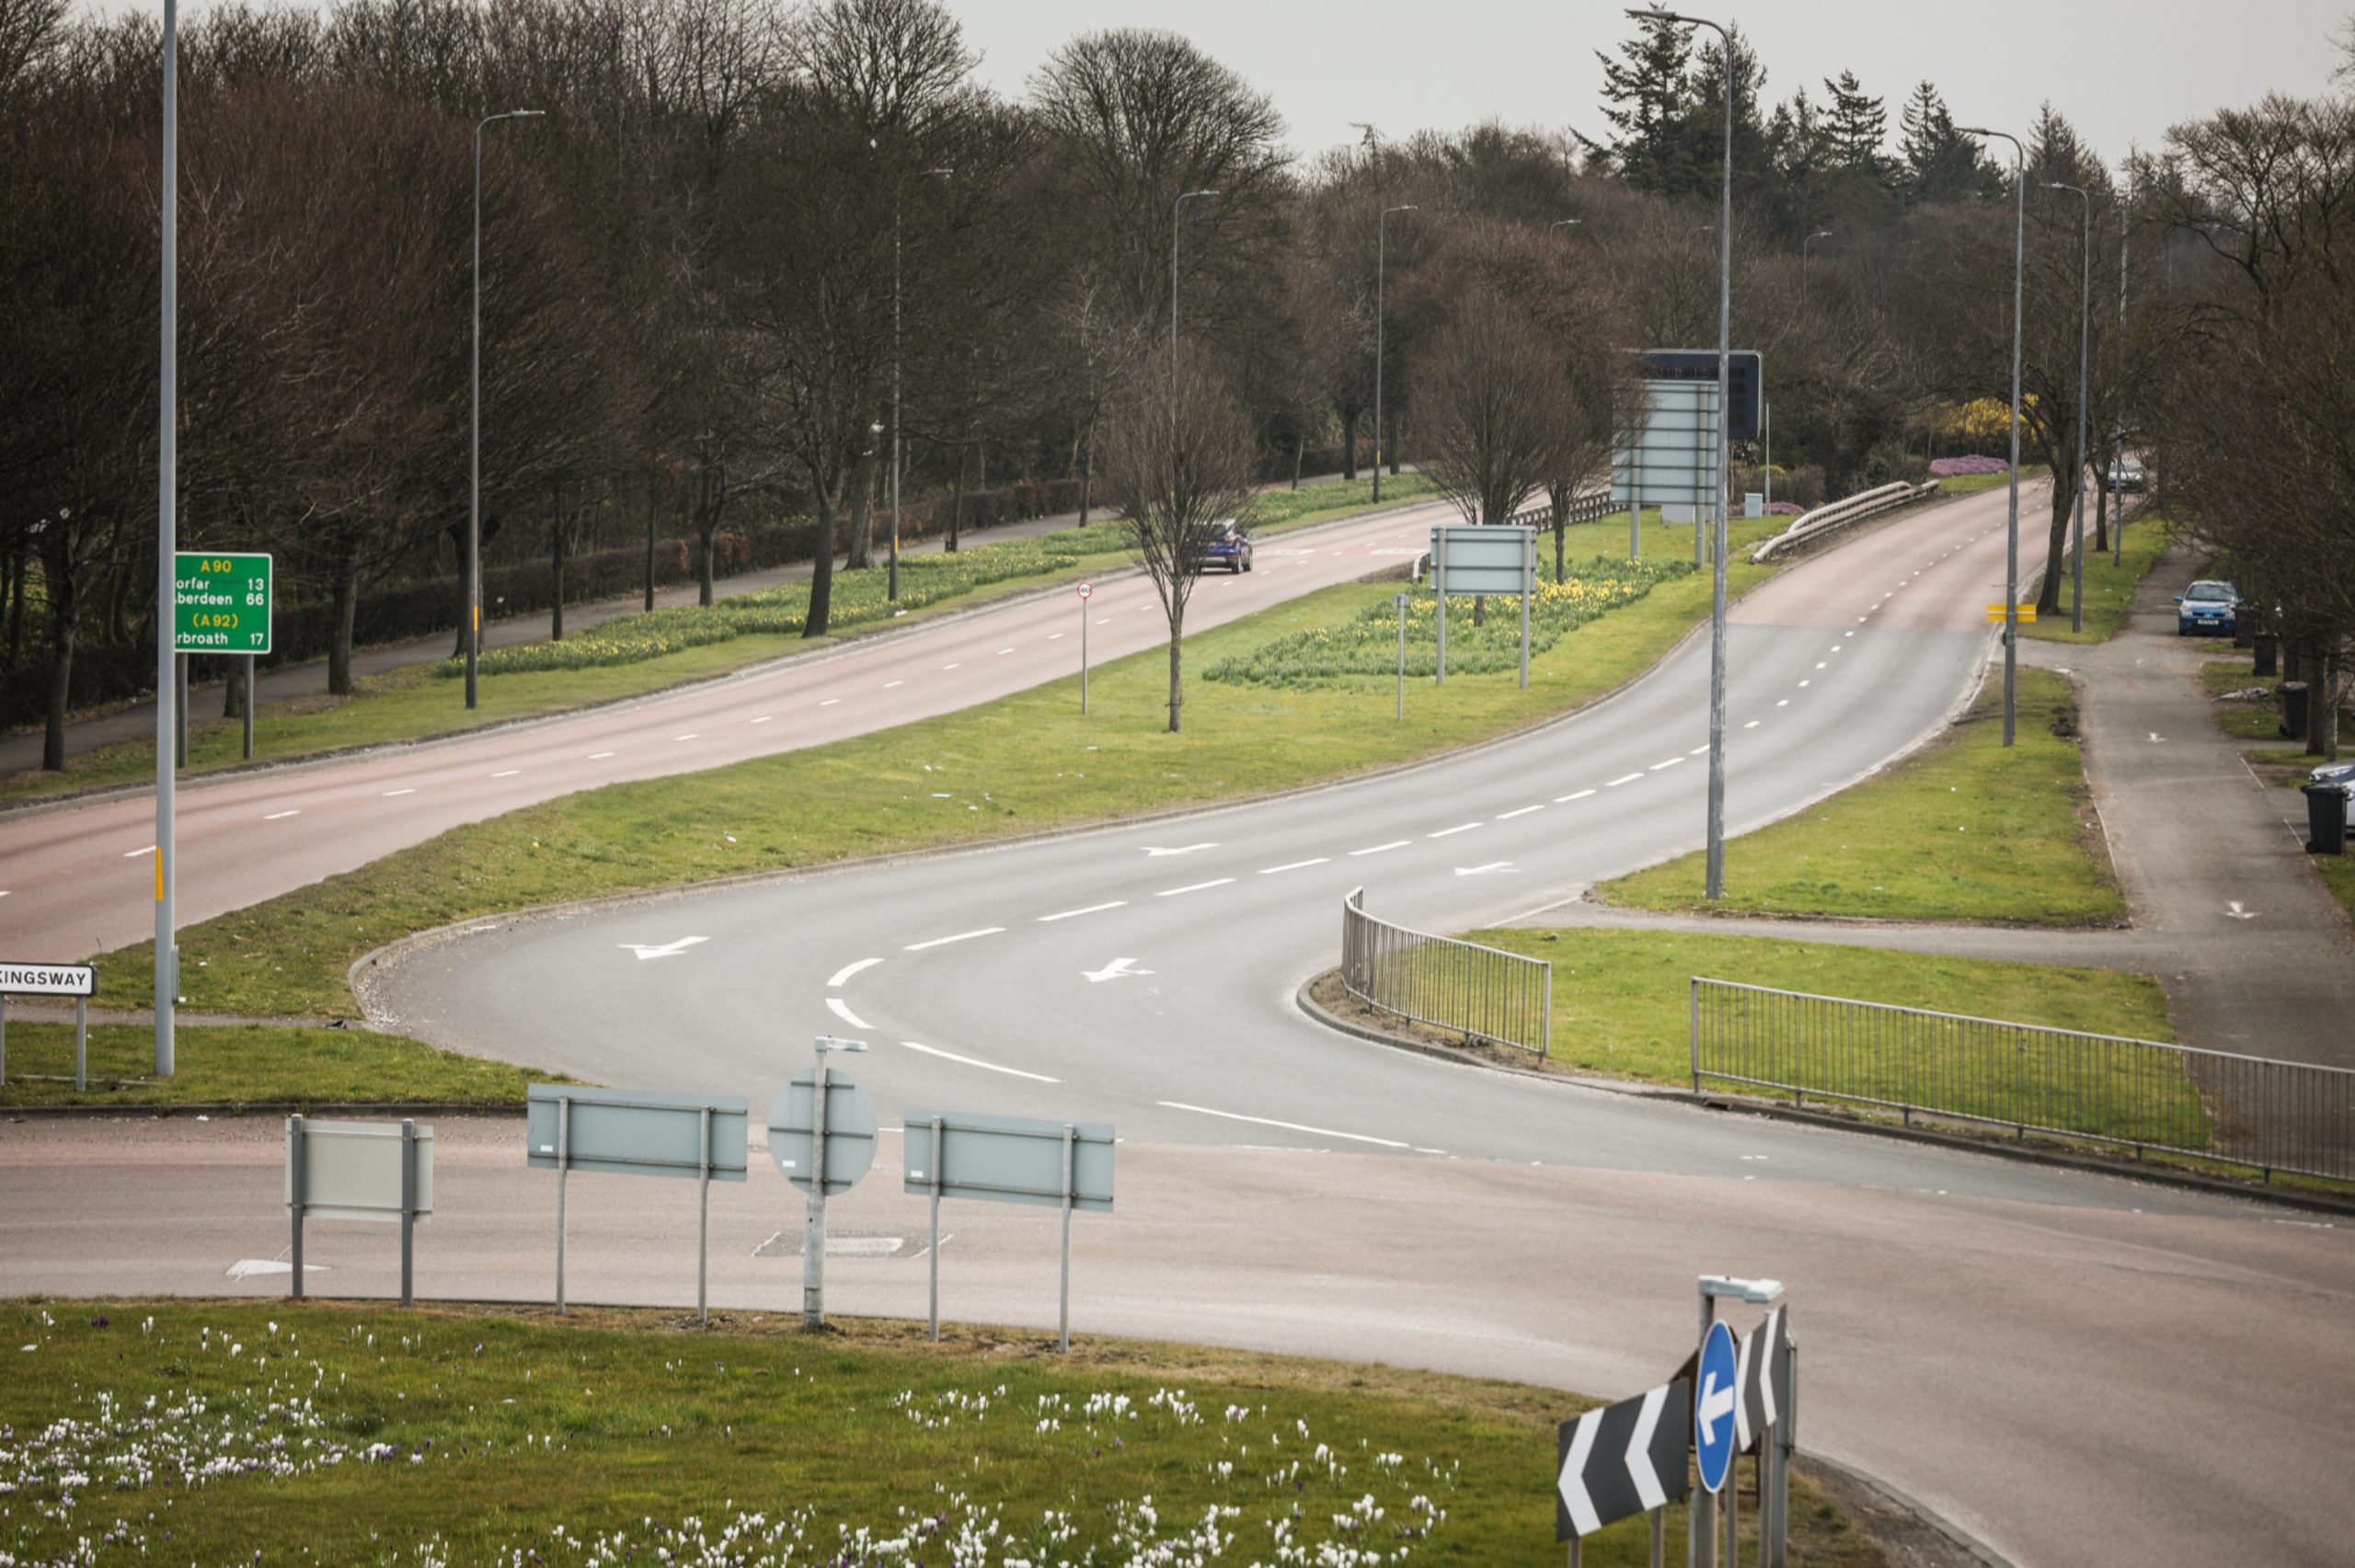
{"x":944,"y":172}
{"x":1820,"y":234}
{"x":1566,"y":222}
{"x":827,"y":1044}
{"x":1409,"y":207}
{"x":1190,"y":194}
{"x":1759,"y":1292}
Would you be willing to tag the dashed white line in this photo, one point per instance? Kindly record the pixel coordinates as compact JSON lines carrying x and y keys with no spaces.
{"x":976,"y":1061}
{"x":1104,"y":621}
{"x":1508,"y":816}
{"x":762,"y":719}
{"x":1090,"y":909}
{"x":842,"y":975}
{"x":961,"y":936}
{"x":830,"y":701}
{"x":946,"y":667}
{"x":1786,"y":702}
{"x":506,"y":772}
{"x":1622,"y":778}
{"x":1566,"y":799}
{"x":390,"y":792}
{"x":1193,"y":888}
{"x":841,"y":1011}
{"x":1655,"y":767}
{"x":1004,"y":651}
{"x":1288,"y":1126}
{"x":1700,"y":750}
{"x":1810,"y":682}
{"x":594,"y":756}
{"x":277,"y":815}
{"x":690,"y":734}
{"x":1751,"y":725}
{"x":1450,"y":832}
{"x":135,"y":855}
{"x":1820,"y":665}
{"x":1377,"y":849}
{"x":1295,"y":864}
{"x":1054,"y":636}
{"x":889,"y":685}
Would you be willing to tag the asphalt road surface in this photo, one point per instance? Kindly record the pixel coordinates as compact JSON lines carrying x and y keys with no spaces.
{"x":78,"y":879}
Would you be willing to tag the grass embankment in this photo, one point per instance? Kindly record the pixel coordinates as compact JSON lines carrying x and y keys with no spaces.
{"x":241,"y":1063}
{"x":1621,"y":1007}
{"x":1019,"y":764}
{"x":1973,"y":483}
{"x":1964,"y":829}
{"x":2109,"y":590}
{"x":634,"y":655}
{"x":337,"y":1433}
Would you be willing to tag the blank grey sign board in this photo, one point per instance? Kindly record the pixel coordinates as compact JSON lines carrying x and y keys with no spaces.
{"x":850,"y":1131}
{"x":1009,"y":1159}
{"x":1499,"y":559}
{"x":352,"y":1170}
{"x":637,"y":1132}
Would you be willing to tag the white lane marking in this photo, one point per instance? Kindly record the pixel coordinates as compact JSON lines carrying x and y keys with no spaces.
{"x":1154,"y":853}
{"x":1566,"y":799}
{"x":1848,"y":633}
{"x":645,"y":950}
{"x":830,"y":701}
{"x":945,"y":941}
{"x":1104,"y":621}
{"x":1655,"y":767}
{"x":2233,"y":909}
{"x":1090,"y":909}
{"x":1288,"y":1126}
{"x":1820,"y":665}
{"x":1701,"y":750}
{"x":1377,"y":849}
{"x":1449,"y":832}
{"x":946,"y":667}
{"x":135,"y":855}
{"x":390,"y":792}
{"x":277,"y":816}
{"x":1751,"y":725}
{"x":1054,"y":636}
{"x":1294,"y":865}
{"x":976,"y":1061}
{"x":1508,"y":816}
{"x":1622,"y":778}
{"x":1484,"y":870}
{"x":841,"y":1011}
{"x":1117,"y":969}
{"x":842,"y":975}
{"x":1004,"y":651}
{"x":690,"y":734}
{"x":889,"y":685}
{"x":594,"y":756}
{"x":3,"y":892}
{"x":1193,"y":888}
{"x":507,"y":774}
{"x":1806,"y":682}
{"x":762,"y":719}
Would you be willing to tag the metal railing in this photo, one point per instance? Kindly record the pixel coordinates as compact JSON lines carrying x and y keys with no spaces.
{"x":2251,"y":1111}
{"x":1482,"y":993}
{"x":1593,"y":507}
{"x":1840,"y":513}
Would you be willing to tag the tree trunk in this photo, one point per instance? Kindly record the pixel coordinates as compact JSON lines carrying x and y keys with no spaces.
{"x":2322,"y":703}
{"x":17,"y":610}
{"x":1348,"y":444}
{"x":649,"y":536}
{"x":710,"y":506}
{"x":822,"y":571}
{"x":233,"y":689}
{"x":1177,"y":689}
{"x":347,"y":606}
{"x":64,"y":612}
{"x":556,"y":563}
{"x":2101,"y":503}
{"x":1086,"y":471}
{"x":956,"y":502}
{"x":1560,"y":495}
{"x":1390,"y":447}
{"x":2056,"y":550}
{"x":859,"y":556}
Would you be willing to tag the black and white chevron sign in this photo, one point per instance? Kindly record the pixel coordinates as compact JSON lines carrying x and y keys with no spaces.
{"x":1759,"y":1406}
{"x":1625,"y":1459}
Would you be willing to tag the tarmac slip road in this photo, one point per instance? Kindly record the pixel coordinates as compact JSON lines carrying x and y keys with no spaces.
{"x":79,"y":879}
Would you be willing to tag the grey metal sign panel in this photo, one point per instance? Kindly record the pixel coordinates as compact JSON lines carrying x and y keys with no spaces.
{"x":850,"y":1131}
{"x":1009,"y":1159}
{"x":352,"y":1170}
{"x":1672,"y":458}
{"x":1495,"y":558}
{"x":636,"y":1132}
{"x":48,"y":980}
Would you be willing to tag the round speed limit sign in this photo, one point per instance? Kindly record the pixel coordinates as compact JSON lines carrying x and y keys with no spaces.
{"x":1085,"y":588}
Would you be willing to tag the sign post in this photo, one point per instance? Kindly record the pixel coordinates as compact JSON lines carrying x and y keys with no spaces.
{"x":1401,"y":603}
{"x":360,"y":1171}
{"x":1716,"y":1397}
{"x":822,"y":1136}
{"x":1085,"y":588}
{"x":79,"y":981}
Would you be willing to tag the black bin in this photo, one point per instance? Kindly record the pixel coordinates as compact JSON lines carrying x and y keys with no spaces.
{"x":2267,"y":645}
{"x":2294,"y":710}
{"x":2326,"y":817}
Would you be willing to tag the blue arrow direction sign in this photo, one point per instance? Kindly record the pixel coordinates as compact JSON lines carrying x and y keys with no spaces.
{"x":1625,"y":1459}
{"x":1715,"y":1395}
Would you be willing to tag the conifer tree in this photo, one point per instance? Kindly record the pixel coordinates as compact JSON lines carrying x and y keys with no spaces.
{"x":1645,"y":98}
{"x":1854,"y":126}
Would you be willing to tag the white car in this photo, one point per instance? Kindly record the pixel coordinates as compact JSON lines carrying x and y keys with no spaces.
{"x":2126,"y":473}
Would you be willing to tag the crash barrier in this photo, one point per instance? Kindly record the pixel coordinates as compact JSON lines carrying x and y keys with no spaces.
{"x":1593,"y":507}
{"x":2250,"y":1111}
{"x":1840,"y":513}
{"x":1482,"y":993}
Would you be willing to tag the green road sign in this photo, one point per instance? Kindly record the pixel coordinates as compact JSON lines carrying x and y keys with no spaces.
{"x":223,"y":603}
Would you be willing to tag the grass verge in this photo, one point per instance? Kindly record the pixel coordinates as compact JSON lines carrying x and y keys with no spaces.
{"x":415,"y":703}
{"x":242,"y":1064}
{"x":1964,"y":829}
{"x":2109,"y":590}
{"x":1019,"y":765}
{"x":340,"y":1433}
{"x":2285,"y":765}
{"x":1971,"y":483}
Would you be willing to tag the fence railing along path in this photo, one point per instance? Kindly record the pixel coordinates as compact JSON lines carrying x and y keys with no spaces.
{"x":2257,"y":1112}
{"x":1482,"y":993}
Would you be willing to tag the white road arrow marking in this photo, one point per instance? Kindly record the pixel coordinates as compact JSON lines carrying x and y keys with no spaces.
{"x":847,"y":971}
{"x":1716,"y":1404}
{"x":666,"y":950}
{"x":1117,"y":969}
{"x":1484,"y":870}
{"x":1189,"y":849}
{"x":1572,"y":1481}
{"x":841,"y":1010}
{"x":1640,"y":1450}
{"x":2234,"y":911}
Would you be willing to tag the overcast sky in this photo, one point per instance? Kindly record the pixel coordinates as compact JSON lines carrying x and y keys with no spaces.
{"x":2121,"y":70}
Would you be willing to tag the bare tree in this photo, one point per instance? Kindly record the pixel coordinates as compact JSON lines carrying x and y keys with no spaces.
{"x":1178,"y":465}
{"x":1492,"y":399}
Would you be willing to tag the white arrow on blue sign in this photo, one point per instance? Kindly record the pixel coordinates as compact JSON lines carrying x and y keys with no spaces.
{"x":1715,"y":1396}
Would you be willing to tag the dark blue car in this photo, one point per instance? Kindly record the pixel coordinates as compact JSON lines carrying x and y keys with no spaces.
{"x":1229,"y":547}
{"x":2208,"y":608}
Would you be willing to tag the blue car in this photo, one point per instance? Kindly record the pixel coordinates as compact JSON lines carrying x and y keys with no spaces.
{"x":2207,"y":607}
{"x":1229,"y":547}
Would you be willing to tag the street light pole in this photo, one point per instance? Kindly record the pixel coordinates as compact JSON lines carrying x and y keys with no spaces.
{"x":1380,"y":264}
{"x":474,"y":461}
{"x":2084,"y":338}
{"x":1177,"y":216}
{"x":2117,"y":438}
{"x":2012,"y":539}
{"x":891,"y":581}
{"x":166,"y":547}
{"x":1716,"y":853}
{"x":1820,"y":233}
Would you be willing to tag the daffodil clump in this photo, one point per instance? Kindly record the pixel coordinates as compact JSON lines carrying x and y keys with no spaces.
{"x":1366,"y":646}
